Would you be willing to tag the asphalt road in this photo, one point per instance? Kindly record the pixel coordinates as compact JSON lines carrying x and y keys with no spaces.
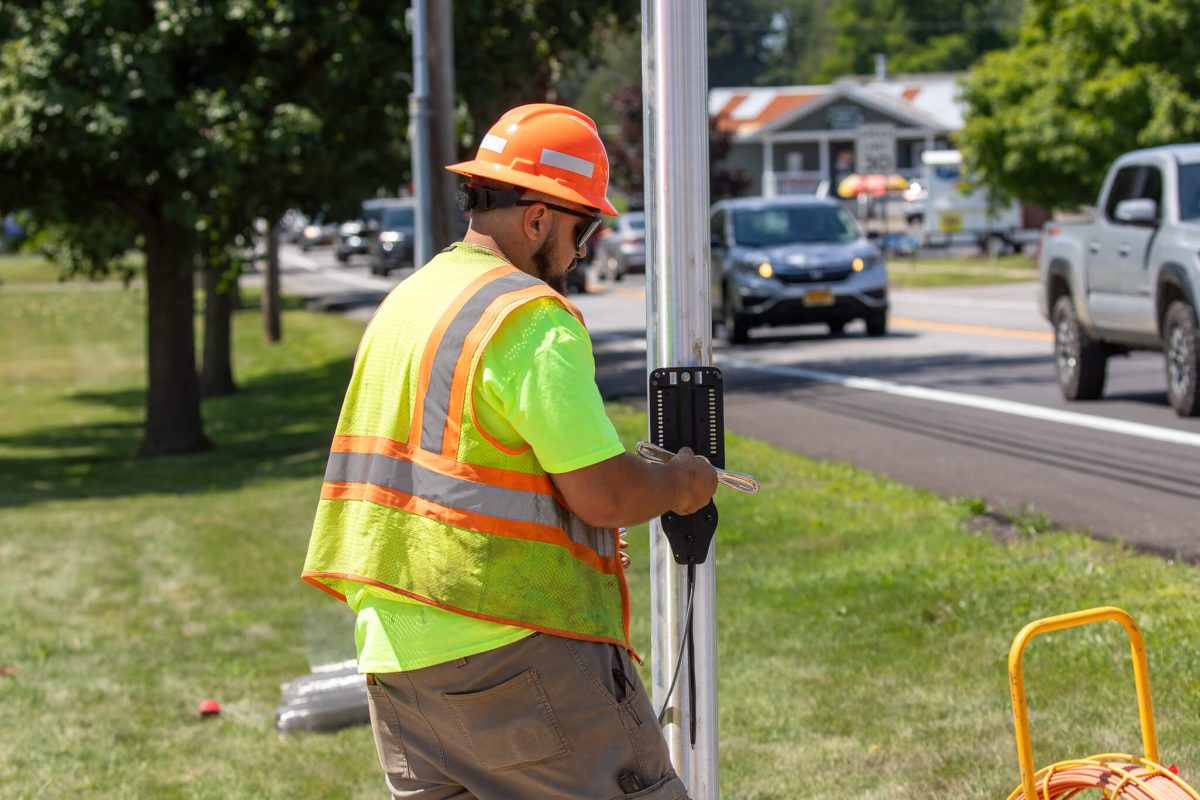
{"x":960,"y":399}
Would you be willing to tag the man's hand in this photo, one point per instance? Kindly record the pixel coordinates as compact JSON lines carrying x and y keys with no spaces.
{"x":696,"y":481}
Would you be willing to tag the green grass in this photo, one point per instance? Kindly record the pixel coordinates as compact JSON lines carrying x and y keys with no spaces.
{"x":22,"y":268}
{"x":912,"y":273}
{"x":863,"y":626}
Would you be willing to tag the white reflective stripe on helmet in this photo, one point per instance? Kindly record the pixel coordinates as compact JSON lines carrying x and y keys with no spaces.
{"x":494,"y":143}
{"x":580,"y":166}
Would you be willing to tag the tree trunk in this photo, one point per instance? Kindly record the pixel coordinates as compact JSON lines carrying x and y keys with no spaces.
{"x":272,"y":330}
{"x":216,"y":374}
{"x":173,"y":421}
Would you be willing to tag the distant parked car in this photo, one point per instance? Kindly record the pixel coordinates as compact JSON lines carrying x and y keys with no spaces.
{"x":393,"y":243}
{"x":352,"y":240}
{"x":318,"y":232}
{"x":624,"y":250}
{"x":794,"y":260}
{"x":914,"y":203}
{"x":897,"y":244}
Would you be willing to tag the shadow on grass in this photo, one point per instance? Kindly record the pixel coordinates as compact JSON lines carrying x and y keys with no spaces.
{"x":279,"y":426}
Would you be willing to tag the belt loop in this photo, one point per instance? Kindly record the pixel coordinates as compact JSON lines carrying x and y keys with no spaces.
{"x":460,"y":663}
{"x":370,"y":679}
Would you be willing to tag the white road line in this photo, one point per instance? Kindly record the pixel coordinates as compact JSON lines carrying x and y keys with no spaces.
{"x":975,"y":401}
{"x":305,"y":263}
{"x":965,"y":302}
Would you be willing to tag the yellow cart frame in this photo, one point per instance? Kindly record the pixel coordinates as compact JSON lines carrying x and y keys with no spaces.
{"x":1141,"y":680}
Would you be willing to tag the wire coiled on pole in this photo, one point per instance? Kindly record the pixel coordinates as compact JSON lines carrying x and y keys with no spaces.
{"x":1115,"y":774}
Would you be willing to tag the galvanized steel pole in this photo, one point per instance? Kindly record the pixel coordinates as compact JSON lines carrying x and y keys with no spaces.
{"x":679,"y":333}
{"x":418,"y":120}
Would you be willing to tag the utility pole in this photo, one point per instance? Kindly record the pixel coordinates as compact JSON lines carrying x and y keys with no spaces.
{"x":443,"y":140}
{"x":674,"y":85}
{"x":272,"y":329}
{"x":418,"y":117}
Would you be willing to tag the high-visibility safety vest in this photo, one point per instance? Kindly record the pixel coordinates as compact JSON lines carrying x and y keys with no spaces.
{"x":420,"y":502}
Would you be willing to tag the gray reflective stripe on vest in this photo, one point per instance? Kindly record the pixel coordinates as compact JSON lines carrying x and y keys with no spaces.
{"x":449,"y":352}
{"x":477,"y":498}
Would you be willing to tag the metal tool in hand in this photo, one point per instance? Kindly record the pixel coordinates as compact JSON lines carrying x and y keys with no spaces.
{"x":734,"y":480}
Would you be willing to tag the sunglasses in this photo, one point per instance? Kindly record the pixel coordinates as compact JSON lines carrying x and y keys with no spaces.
{"x":592,"y":220}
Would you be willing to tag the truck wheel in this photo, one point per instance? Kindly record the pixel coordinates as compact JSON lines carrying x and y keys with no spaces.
{"x":1080,"y":360}
{"x":737,"y":329}
{"x":995,"y":246}
{"x":1182,"y":352}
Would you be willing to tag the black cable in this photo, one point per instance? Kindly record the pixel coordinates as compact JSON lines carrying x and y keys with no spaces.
{"x":687,"y":636}
{"x":691,"y":648}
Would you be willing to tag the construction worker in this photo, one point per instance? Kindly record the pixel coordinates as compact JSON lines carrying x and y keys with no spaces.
{"x":472,"y":497}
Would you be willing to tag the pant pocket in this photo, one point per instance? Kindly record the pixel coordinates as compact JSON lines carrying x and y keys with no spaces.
{"x":385,"y":724}
{"x":511,"y":725}
{"x":669,"y":788}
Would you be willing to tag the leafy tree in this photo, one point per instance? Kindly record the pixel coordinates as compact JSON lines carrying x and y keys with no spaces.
{"x":508,"y":52}
{"x":1084,"y":83}
{"x":737,"y":37}
{"x":916,"y":35}
{"x":145,"y":116}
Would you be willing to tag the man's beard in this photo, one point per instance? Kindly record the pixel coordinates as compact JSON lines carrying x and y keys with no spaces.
{"x":542,"y":261}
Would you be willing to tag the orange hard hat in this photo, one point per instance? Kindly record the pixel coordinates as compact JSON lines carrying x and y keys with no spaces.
{"x":551,"y":149}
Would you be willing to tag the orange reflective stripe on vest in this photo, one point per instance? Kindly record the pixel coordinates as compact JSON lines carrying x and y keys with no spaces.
{"x":438,"y":383}
{"x":477,"y":499}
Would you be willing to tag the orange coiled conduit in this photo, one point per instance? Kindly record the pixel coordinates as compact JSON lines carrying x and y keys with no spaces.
{"x":1115,"y":775}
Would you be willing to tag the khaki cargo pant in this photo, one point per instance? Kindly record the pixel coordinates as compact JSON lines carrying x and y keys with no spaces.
{"x":546,"y":717}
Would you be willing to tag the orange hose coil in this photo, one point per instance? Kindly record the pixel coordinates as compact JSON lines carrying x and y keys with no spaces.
{"x":1116,"y":775}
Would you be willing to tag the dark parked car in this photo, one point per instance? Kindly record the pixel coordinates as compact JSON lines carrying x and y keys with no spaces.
{"x":577,"y":278}
{"x":791,"y":261}
{"x":392,"y":243}
{"x":623,"y":250}
{"x":352,"y":240}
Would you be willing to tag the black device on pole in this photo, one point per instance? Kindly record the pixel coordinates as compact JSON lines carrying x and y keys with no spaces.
{"x":687,"y":410}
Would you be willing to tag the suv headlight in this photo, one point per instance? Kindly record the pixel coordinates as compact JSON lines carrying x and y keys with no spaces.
{"x":864,"y":263}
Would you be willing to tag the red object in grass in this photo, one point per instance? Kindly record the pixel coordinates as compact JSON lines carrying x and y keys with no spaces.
{"x":209,"y":708}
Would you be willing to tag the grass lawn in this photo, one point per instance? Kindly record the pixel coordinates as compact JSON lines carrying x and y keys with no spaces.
{"x":863,"y":626}
{"x":24,"y":268}
{"x":911,"y":273}
{"x":17,"y":268}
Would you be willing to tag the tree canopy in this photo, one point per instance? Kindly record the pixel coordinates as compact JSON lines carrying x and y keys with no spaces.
{"x":158,"y":122}
{"x":766,"y":42}
{"x":1084,"y":83}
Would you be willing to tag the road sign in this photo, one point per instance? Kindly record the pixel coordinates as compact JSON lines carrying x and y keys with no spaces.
{"x":875,"y":149}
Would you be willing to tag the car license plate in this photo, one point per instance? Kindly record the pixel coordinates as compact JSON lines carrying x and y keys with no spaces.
{"x":818,"y":297}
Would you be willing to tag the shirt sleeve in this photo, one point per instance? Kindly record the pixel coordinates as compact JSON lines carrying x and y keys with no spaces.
{"x":536,"y":385}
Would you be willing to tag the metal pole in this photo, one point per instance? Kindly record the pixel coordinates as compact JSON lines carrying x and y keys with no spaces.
{"x":446,"y":217}
{"x":418,"y":115}
{"x":679,"y":333}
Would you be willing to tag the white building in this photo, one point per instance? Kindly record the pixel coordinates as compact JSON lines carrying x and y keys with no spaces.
{"x":788,"y":139}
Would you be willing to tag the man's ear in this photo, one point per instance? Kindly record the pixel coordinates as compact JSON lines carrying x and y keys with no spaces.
{"x":536,"y":221}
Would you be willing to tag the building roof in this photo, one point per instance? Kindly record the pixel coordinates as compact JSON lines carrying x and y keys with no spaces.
{"x":923,"y":101}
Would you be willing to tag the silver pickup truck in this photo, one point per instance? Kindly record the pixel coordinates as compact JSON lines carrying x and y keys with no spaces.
{"x":1128,"y":279}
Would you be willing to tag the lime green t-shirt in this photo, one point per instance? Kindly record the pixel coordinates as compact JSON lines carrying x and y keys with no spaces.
{"x":536,"y":384}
